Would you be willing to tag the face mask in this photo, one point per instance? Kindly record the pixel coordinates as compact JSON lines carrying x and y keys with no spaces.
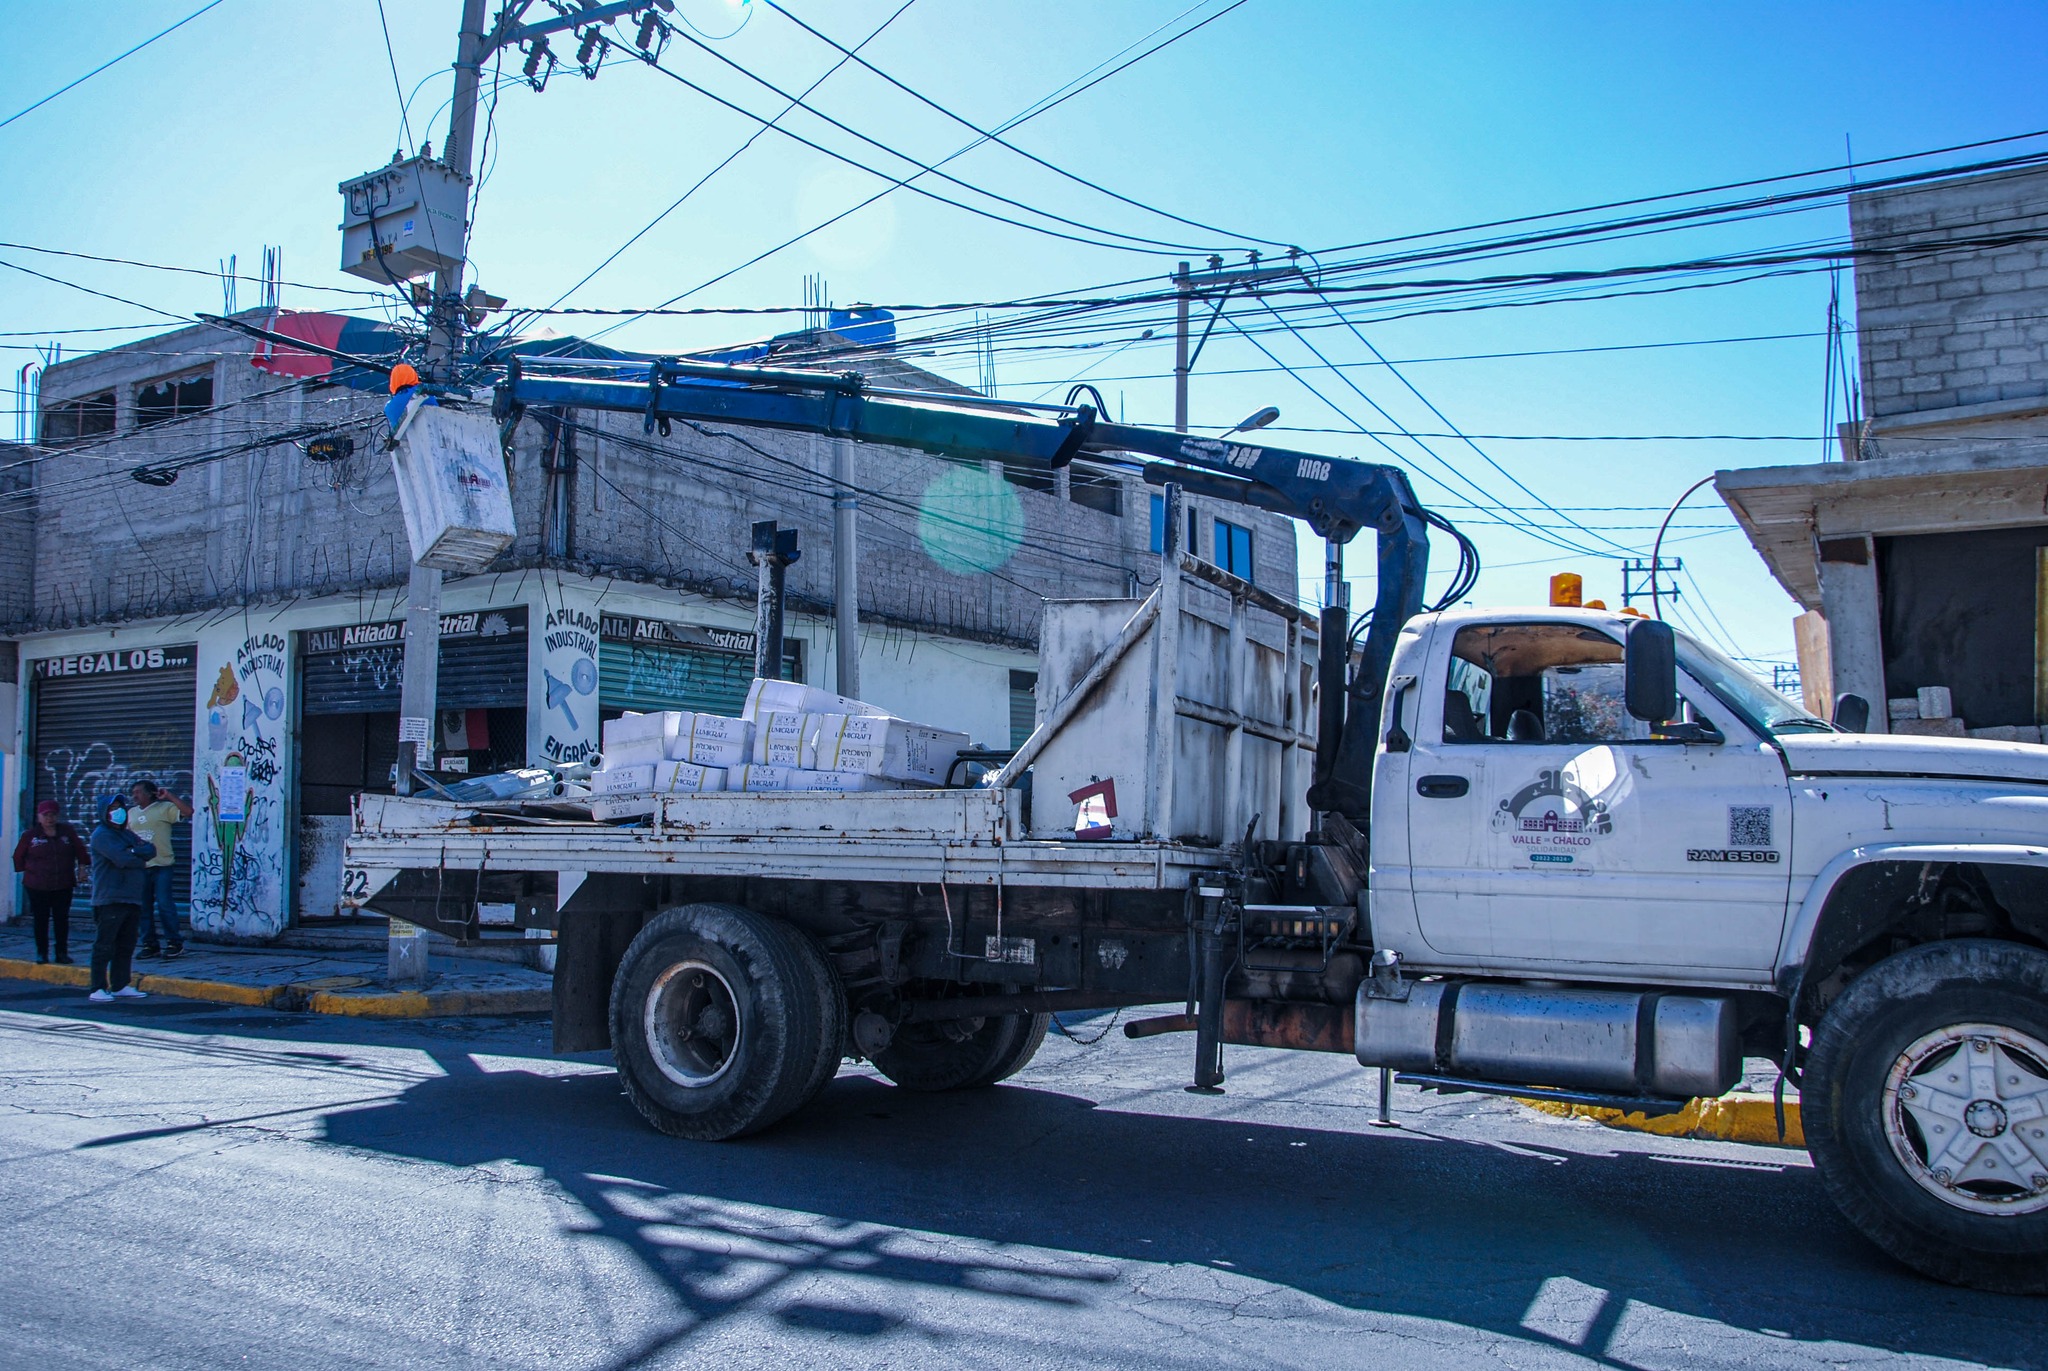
{"x":117,"y":817}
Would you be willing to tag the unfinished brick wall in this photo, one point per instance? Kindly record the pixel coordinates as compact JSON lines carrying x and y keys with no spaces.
{"x":1947,"y":329}
{"x":272,"y":525}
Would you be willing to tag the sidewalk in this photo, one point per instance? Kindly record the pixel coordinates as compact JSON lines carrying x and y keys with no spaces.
{"x":342,"y":980}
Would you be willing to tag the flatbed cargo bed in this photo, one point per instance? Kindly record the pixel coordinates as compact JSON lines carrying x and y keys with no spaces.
{"x":950,"y":837}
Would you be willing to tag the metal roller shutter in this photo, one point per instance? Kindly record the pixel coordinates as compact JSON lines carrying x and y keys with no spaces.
{"x":650,"y":664}
{"x":99,"y":722}
{"x":638,"y":676}
{"x":359,"y":670}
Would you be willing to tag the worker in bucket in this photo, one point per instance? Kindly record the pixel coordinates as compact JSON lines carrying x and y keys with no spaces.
{"x":405,"y":382}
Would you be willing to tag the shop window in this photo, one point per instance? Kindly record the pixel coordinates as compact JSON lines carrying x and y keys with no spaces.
{"x":1029,"y":477}
{"x":1096,"y":489}
{"x":1023,"y":705}
{"x":174,"y":397}
{"x":1233,"y":548}
{"x":74,"y":421}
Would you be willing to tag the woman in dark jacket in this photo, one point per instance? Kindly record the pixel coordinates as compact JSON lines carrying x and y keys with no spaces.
{"x":51,"y":858}
{"x":118,"y":859}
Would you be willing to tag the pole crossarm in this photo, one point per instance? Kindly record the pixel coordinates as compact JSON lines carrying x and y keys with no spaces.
{"x":510,"y":33}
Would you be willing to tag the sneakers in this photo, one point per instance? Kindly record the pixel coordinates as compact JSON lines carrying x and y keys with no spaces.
{"x":148,"y":954}
{"x":100,"y":997}
{"x":66,"y":961}
{"x":129,"y":992}
{"x":178,"y":950}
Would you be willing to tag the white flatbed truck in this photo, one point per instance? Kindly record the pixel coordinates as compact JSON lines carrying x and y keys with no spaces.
{"x":1547,"y":852}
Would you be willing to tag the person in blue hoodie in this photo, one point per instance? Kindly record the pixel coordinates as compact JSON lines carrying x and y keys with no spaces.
{"x":119,"y":864}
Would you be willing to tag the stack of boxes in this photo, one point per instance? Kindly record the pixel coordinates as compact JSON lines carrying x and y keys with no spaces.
{"x":793,"y":737}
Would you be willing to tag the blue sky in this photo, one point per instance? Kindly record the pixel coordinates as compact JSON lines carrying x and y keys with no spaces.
{"x":1303,"y":123}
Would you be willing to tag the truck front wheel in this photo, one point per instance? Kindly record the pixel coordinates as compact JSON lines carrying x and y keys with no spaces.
{"x":722,"y":1021}
{"x":961,"y":1054}
{"x":1925,"y":1104}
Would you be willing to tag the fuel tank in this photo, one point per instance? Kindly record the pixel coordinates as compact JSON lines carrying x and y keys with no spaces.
{"x":1620,"y":1041}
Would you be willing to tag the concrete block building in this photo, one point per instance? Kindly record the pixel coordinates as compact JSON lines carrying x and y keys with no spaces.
{"x":1921,"y":556}
{"x":194,"y":589}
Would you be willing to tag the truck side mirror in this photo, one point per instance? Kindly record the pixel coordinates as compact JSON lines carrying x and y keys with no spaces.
{"x":1852,"y":713}
{"x":1651,"y":671}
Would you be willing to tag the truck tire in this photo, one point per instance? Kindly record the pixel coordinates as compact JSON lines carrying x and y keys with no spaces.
{"x":832,"y":1038}
{"x":720,"y":1021}
{"x":961,"y":1054}
{"x":1925,"y":1104}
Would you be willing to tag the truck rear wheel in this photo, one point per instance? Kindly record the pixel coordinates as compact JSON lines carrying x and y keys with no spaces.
{"x":962,"y":1054}
{"x":722,"y":1021}
{"x":1925,"y":1106}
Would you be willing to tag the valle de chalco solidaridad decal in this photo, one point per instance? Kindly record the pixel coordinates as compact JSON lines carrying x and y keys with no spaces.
{"x":1551,"y":816}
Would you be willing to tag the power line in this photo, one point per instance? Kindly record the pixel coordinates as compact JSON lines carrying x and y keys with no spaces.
{"x":1529,"y":525}
{"x":729,"y":157}
{"x":1073,"y":88}
{"x":1001,"y":142}
{"x":1430,"y":405}
{"x":108,"y":63}
{"x":185,"y":271}
{"x":397,"y":88}
{"x":924,"y":168}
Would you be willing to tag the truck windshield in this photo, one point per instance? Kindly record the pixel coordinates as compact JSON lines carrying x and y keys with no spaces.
{"x":1744,"y":693}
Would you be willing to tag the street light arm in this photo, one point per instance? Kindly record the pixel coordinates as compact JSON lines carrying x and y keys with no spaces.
{"x":1657,"y":548}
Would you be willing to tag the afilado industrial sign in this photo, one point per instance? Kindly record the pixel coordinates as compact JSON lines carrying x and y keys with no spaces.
{"x":491,"y":623}
{"x":620,"y":628}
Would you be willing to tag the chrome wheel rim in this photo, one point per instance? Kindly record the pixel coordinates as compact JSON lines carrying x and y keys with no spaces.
{"x":1966,"y":1114}
{"x":692,"y":1025}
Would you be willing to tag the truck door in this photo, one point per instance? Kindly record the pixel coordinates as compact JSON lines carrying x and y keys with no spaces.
{"x":1549,"y":830}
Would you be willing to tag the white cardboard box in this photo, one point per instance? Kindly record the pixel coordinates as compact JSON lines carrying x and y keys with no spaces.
{"x":712,"y":740}
{"x":752,"y":777}
{"x":802,"y":778}
{"x":881,"y":746}
{"x":765,"y":696}
{"x":657,"y":727}
{"x":621,"y":806}
{"x":622,"y":780}
{"x":638,"y":752}
{"x":677,"y":777}
{"x":782,"y":737}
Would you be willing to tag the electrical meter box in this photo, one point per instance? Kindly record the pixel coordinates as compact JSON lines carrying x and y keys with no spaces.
{"x":403,"y":221}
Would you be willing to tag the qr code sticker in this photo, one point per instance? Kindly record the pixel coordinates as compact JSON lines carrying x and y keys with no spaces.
{"x":1749,"y":825}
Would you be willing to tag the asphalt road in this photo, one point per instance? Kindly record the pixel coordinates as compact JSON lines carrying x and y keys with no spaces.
{"x":183,"y":1185}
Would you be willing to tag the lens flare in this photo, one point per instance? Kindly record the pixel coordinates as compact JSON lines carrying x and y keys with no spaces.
{"x":970,"y":520}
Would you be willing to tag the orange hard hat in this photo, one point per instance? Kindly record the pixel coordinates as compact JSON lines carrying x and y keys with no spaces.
{"x":402,"y":376}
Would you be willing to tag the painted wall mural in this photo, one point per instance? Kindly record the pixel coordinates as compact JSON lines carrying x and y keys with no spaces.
{"x":238,"y":837}
{"x":562,"y":723}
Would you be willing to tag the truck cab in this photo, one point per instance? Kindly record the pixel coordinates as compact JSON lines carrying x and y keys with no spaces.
{"x":1532,"y":827}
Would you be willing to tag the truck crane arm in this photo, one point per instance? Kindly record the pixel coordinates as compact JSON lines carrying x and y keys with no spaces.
{"x":1335,"y":497}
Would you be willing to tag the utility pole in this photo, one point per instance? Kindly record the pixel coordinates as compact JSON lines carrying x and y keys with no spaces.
{"x":1187,"y":286}
{"x":774,"y":549}
{"x":420,"y":687}
{"x":845,"y":582}
{"x":447,"y":316}
{"x":1182,"y":364}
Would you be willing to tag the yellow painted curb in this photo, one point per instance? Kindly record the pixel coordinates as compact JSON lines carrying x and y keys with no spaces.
{"x":1732,"y":1118}
{"x":430,"y":1004}
{"x":47,"y":972}
{"x":403,"y":1004}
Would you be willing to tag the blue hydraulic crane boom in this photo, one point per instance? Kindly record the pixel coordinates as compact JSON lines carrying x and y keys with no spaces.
{"x":1335,"y":497}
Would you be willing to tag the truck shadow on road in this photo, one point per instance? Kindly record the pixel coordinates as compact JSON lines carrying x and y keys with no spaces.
{"x":1026,"y":1192}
